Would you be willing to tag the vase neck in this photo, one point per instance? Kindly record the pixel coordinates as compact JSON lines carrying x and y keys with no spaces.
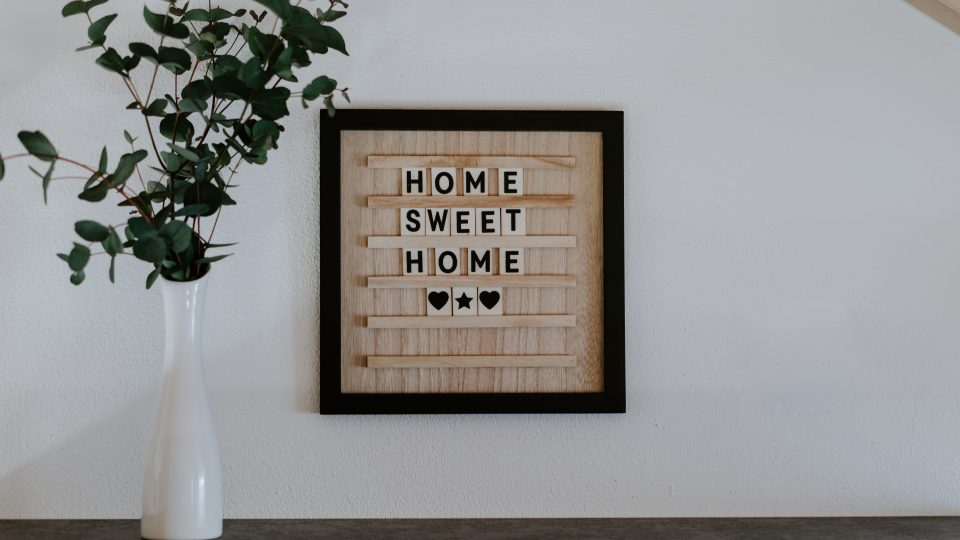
{"x":183,"y":304}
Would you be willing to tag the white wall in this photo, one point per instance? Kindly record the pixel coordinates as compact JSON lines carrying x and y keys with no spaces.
{"x":793,"y":179}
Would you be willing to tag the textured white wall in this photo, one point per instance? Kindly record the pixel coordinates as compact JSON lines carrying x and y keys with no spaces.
{"x":792,"y":239}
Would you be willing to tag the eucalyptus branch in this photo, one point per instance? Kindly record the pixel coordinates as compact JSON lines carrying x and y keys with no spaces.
{"x":166,"y":227}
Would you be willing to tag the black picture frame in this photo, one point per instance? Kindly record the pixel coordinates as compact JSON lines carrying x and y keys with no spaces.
{"x":610,"y":125}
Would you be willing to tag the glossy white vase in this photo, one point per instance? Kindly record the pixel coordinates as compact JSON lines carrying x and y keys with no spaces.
{"x":182,"y":496}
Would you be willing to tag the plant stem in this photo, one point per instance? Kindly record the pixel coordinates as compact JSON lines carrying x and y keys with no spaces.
{"x":86,"y":167}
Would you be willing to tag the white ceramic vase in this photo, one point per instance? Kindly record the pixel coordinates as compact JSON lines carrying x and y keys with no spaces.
{"x":182,"y":496}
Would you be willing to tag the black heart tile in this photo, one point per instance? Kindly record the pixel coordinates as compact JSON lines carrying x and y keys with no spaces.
{"x":438,"y":299}
{"x":489,"y":299}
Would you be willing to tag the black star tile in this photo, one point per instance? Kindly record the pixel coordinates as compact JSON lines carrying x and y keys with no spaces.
{"x":463,"y":302}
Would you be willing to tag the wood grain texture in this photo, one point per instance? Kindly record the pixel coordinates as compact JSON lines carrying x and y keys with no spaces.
{"x":401,"y":282}
{"x":487,"y":361}
{"x":455,"y":321}
{"x":542,"y":241}
{"x":947,"y":12}
{"x":471,"y":201}
{"x":583,"y":223}
{"x":460,"y":161}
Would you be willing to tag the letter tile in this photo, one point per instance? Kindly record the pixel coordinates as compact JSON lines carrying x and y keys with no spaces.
{"x":490,"y":301}
{"x":464,"y":300}
{"x":439,"y":301}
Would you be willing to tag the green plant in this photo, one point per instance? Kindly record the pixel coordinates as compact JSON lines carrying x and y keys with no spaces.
{"x":230,"y":87}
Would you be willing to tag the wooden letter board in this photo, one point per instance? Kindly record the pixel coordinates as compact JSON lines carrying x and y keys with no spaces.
{"x":472,"y":262}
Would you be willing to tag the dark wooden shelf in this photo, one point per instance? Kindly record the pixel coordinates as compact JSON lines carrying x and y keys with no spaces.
{"x":880,"y":528}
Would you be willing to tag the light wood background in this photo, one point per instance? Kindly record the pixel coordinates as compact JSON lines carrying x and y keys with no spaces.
{"x":584,"y":341}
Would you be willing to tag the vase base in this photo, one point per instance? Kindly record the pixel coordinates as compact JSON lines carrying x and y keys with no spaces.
{"x":173,"y":533}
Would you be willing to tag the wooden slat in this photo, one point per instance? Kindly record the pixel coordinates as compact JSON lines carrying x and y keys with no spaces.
{"x":499,"y":361}
{"x":945,"y":11}
{"x":521,"y":162}
{"x":419,"y":282}
{"x":474,"y":321}
{"x":471,"y":241}
{"x":471,"y":201}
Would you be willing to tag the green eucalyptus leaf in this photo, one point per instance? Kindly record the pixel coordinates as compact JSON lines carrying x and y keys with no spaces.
{"x":208,"y":260}
{"x":206,"y":194}
{"x":112,"y":273}
{"x":152,"y":277}
{"x":253,"y":75}
{"x":228,"y":86}
{"x":283,"y":66}
{"x":91,"y":231}
{"x":192,"y":210}
{"x":226,"y":65}
{"x":44,"y":179}
{"x":281,"y":8}
{"x":184,"y":152}
{"x":140,"y":228}
{"x":75,"y":7}
{"x":98,"y":30}
{"x":328,"y":103}
{"x":271,"y":104}
{"x":320,"y":86}
{"x":178,"y":233}
{"x":164,"y":24}
{"x":130,"y":62}
{"x":201,"y":48}
{"x":219,"y":14}
{"x":218,"y":31}
{"x":3,"y":168}
{"x":264,"y":130}
{"x":127,"y":137}
{"x":156,"y":108}
{"x":79,"y":257}
{"x":151,"y":249}
{"x":111,"y":61}
{"x":47,"y":177}
{"x":263,"y":46}
{"x":144,"y":51}
{"x":334,"y":39}
{"x":330,"y":15}
{"x":102,"y":166}
{"x":183,"y":126}
{"x":112,"y":244}
{"x":171,"y":161}
{"x":95,"y":193}
{"x":192,"y":105}
{"x":303,"y":28}
{"x":125,"y":167}
{"x":37,"y":145}
{"x":176,"y":60}
{"x":195,"y":15}
{"x":77,"y":277}
{"x":199,"y":89}
{"x":216,"y":14}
